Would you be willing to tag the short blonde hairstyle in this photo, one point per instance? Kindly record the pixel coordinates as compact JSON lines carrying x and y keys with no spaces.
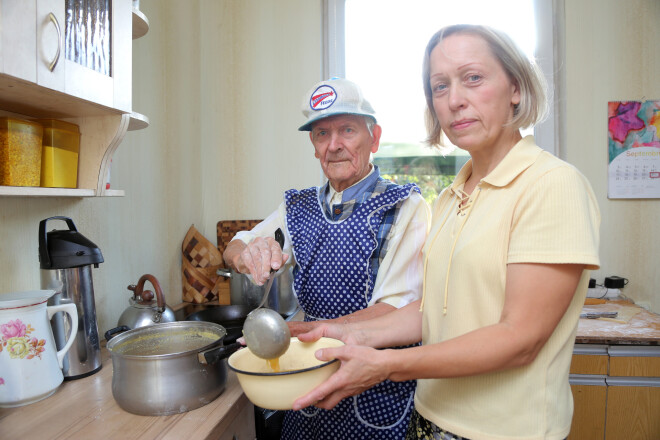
{"x":522,"y":71}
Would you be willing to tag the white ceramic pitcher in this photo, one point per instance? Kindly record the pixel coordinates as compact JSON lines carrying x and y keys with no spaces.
{"x":30,"y":365}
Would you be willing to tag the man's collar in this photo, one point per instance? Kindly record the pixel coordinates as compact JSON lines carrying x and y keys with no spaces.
{"x":356,"y":189}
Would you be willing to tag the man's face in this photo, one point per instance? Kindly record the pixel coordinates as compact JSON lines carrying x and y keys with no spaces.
{"x":343,"y":145}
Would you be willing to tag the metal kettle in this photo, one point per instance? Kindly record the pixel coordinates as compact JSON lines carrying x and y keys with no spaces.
{"x":144,"y":310}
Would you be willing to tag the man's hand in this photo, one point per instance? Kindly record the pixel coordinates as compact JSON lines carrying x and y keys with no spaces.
{"x":256,"y":258}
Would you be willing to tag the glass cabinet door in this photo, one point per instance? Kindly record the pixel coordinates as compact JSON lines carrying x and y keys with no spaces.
{"x":88,"y":40}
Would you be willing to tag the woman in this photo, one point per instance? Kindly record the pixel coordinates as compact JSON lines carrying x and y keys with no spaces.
{"x":507,"y":263}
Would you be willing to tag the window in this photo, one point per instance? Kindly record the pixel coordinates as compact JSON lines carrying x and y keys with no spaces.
{"x":379,"y":44}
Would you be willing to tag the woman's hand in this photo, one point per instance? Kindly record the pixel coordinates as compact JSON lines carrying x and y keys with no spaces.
{"x":361,"y":368}
{"x":298,"y":327}
{"x":349,"y":334}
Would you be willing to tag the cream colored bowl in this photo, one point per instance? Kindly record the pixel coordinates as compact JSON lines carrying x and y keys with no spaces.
{"x":300,"y":372}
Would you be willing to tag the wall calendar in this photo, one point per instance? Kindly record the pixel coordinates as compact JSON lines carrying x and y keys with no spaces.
{"x":634,"y":150}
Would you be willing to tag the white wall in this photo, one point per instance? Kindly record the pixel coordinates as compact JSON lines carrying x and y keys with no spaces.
{"x":222,"y":82}
{"x":612,"y":55}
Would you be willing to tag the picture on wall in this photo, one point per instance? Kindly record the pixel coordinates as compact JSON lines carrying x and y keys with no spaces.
{"x":634,"y":149}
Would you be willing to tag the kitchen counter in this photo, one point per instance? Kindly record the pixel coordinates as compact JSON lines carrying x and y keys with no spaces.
{"x":85,"y":409}
{"x":642,"y":328}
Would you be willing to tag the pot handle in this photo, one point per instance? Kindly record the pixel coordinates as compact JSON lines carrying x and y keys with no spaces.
{"x":223,"y":272}
{"x":213,"y":355}
{"x":113,"y":331}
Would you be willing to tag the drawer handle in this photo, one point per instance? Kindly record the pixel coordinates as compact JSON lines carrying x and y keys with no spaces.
{"x":53,"y":63}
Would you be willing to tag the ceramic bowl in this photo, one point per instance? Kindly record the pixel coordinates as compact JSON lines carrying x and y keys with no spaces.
{"x":300,"y":372}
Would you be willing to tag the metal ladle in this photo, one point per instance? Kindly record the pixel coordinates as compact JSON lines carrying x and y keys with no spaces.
{"x":266,"y":333}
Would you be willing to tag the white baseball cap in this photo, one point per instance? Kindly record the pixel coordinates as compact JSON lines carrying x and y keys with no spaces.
{"x":336,"y":96}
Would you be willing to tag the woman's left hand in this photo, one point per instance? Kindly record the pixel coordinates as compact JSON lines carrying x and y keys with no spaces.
{"x":361,"y":368}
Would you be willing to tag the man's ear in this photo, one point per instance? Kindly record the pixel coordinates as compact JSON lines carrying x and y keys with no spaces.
{"x":377,"y":130}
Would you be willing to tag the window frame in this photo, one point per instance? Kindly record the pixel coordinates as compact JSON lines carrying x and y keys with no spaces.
{"x":549,"y":55}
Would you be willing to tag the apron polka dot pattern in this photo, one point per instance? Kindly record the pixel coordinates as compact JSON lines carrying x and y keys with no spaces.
{"x":332,"y":279}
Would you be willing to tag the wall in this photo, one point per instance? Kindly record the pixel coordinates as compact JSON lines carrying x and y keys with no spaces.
{"x":222,"y":143}
{"x":612,"y":55}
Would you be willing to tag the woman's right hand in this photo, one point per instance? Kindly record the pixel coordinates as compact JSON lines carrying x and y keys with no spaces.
{"x":361,"y":368}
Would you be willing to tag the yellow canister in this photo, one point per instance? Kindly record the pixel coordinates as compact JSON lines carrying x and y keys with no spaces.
{"x":59,"y":160}
{"x":20,"y":152}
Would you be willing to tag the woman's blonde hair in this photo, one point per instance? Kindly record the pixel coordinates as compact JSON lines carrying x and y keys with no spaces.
{"x":522,"y":71}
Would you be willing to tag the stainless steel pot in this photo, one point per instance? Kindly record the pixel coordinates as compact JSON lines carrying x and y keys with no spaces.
{"x":242,"y":291}
{"x":169,"y":368}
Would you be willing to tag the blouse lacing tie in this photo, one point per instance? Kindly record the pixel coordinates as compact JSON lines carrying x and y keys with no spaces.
{"x":464,"y":208}
{"x":464,"y":202}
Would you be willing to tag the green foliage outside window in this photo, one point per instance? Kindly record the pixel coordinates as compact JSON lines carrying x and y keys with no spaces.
{"x":431,"y":185}
{"x":403,"y":164}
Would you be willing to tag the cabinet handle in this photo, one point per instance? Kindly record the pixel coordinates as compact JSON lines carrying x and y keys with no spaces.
{"x":53,"y":63}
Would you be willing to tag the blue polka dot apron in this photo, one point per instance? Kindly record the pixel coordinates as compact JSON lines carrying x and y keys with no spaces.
{"x":333,"y":278}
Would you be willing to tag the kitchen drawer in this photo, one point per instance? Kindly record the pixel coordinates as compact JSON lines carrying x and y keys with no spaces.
{"x":589,"y":359}
{"x":633,"y":405}
{"x":634,"y":361}
{"x":590,"y":403}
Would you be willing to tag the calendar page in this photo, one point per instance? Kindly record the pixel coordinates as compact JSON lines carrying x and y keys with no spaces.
{"x":634,"y":150}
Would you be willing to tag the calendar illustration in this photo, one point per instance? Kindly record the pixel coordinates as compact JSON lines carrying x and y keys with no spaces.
{"x":634,"y":150}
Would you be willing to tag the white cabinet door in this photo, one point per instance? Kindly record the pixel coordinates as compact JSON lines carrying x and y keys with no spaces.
{"x":50,"y":22}
{"x":18,"y":39}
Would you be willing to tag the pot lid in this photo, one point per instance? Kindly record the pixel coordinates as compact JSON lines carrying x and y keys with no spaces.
{"x":14,"y":300}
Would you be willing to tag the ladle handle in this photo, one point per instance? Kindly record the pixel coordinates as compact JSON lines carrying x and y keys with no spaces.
{"x":279,"y":238}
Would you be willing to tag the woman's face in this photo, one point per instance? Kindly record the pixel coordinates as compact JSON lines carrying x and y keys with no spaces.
{"x":473,"y":96}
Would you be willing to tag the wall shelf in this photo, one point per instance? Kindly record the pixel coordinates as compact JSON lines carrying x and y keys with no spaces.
{"x":138,"y":122}
{"x":140,"y":24}
{"x":31,"y":191}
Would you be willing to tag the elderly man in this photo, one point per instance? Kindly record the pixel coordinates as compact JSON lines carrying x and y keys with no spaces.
{"x":355,"y":245}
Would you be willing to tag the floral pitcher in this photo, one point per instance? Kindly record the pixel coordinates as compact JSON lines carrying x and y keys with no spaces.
{"x":30,"y":365}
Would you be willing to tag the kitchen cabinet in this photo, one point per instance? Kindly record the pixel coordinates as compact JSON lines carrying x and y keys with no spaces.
{"x":633,"y":393}
{"x":39,"y":78}
{"x":242,"y":427}
{"x":616,"y":392}
{"x":35,"y":38}
{"x":587,"y":378}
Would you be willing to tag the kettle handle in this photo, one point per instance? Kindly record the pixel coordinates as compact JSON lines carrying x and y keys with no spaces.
{"x":160,"y":298}
{"x":43,"y":240}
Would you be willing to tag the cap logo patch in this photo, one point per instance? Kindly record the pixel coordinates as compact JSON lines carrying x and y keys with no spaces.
{"x":323,"y":97}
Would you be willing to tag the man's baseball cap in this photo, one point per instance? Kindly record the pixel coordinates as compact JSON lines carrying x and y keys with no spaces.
{"x":336,"y":96}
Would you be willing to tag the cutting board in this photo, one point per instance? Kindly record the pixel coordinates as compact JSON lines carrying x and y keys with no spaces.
{"x":226,"y":229}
